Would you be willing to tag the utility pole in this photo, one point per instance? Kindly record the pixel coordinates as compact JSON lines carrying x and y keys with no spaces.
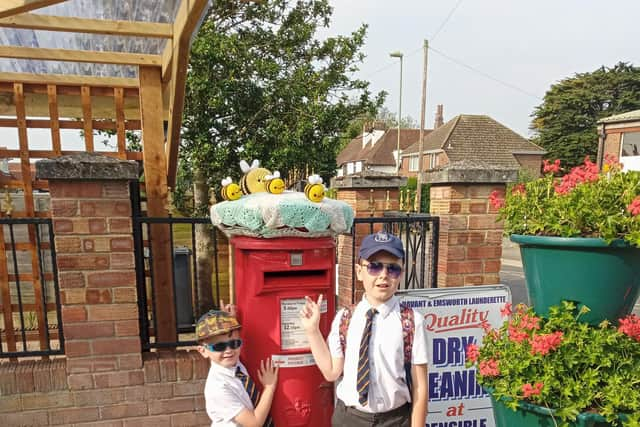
{"x":421,"y":139}
{"x":400,"y":56}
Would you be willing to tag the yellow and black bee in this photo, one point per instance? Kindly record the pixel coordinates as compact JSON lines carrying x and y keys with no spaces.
{"x":274,"y":183}
{"x":253,"y":180}
{"x":230,"y":190}
{"x":314,"y":190}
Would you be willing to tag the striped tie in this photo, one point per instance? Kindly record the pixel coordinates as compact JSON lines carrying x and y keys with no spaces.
{"x":252,"y":391}
{"x":363,"y":361}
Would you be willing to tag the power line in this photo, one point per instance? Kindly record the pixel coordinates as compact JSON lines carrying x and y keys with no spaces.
{"x":482,"y":73}
{"x":444,"y":22}
{"x":433,"y":37}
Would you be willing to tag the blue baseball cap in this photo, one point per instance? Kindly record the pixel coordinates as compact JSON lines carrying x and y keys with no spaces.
{"x":381,"y":241}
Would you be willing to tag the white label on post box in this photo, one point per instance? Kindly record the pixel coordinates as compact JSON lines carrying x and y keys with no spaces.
{"x":295,"y":259}
{"x":292,"y":335}
{"x":293,"y":360}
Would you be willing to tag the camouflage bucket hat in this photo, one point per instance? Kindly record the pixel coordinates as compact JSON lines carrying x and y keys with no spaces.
{"x":215,"y":322}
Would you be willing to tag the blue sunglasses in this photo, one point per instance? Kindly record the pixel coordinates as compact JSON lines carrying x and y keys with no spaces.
{"x":222,"y":346}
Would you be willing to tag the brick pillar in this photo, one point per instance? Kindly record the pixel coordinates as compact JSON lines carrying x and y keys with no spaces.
{"x":368,"y":196}
{"x":470,"y":242}
{"x":91,"y":213}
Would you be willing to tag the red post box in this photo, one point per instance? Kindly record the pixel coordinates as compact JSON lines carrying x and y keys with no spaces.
{"x":272,"y":277}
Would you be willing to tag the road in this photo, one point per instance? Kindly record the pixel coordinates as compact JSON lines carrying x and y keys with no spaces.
{"x":512,"y":275}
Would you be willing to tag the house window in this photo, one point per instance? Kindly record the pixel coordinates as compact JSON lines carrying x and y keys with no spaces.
{"x":433,"y":161}
{"x":630,"y":153}
{"x":359,"y":166}
{"x":413,"y":163}
{"x":349,"y":168}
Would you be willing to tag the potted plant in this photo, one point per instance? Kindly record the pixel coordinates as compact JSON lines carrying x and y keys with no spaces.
{"x":578,"y":235}
{"x":560,"y":371}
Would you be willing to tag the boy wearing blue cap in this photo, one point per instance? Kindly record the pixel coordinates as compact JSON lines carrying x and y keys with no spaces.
{"x":370,"y":346}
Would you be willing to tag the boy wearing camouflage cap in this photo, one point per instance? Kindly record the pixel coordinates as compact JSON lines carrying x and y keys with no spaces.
{"x":231,"y":396}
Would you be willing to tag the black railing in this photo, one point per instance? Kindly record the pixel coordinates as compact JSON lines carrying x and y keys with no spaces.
{"x":193,"y":292}
{"x":31,"y":321}
{"x":419,"y":234}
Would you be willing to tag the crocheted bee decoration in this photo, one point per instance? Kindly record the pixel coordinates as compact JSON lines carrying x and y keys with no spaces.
{"x":253,"y":180}
{"x":230,"y":190}
{"x":274,"y":183}
{"x":314,"y":190}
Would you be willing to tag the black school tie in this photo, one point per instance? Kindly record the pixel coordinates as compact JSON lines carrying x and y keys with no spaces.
{"x":252,"y":391}
{"x":363,"y":361}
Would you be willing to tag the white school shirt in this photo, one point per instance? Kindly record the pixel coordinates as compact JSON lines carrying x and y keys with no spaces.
{"x":225,"y":396}
{"x":387,"y":388}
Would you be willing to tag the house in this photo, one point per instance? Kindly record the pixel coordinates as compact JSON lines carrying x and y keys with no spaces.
{"x":375,"y":150}
{"x":474,"y":140}
{"x":619,"y":135}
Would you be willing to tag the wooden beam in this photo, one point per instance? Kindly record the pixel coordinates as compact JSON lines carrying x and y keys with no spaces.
{"x":155,"y":177}
{"x":102,"y":107}
{"x":90,"y":26}
{"x":68,"y":124}
{"x":86,"y":118}
{"x":53,"y":114}
{"x":187,"y":18}
{"x":14,"y":7}
{"x":69,"y":79}
{"x":91,"y":56}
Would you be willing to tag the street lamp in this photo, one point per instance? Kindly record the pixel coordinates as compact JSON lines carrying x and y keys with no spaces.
{"x":398,"y":54}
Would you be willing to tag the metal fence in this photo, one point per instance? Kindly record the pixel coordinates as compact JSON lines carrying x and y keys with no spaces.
{"x":419,"y":234}
{"x":194,"y":292}
{"x":31,"y":323}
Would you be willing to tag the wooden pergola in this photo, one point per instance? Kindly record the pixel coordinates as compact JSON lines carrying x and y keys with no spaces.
{"x":132,"y":77}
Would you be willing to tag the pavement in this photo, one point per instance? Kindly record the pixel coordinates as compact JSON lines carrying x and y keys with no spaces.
{"x":511,"y":274}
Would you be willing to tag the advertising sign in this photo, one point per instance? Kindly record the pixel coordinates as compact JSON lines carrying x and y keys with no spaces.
{"x":454,"y":318}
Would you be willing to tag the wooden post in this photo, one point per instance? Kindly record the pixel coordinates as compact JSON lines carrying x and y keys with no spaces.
{"x":155,"y":176}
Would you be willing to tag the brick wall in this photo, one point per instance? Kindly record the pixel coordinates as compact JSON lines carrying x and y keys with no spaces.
{"x":612,"y":144}
{"x":470,"y":245}
{"x":104,"y":378}
{"x":360,"y":200}
{"x":530,"y":163}
{"x":167,"y":390}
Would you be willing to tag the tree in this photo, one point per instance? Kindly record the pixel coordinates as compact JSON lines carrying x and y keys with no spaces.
{"x":565,"y":123}
{"x":261,"y":85}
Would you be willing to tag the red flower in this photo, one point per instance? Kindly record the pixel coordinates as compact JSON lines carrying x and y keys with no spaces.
{"x":519,"y":189}
{"x":530,"y":390}
{"x":630,"y":326}
{"x":516,"y":334}
{"x":489,"y":368}
{"x":634,"y":206}
{"x":551,"y":167}
{"x":588,"y":172}
{"x":472,"y":352}
{"x":496,"y":200}
{"x":543,"y":344}
{"x":506,"y":310}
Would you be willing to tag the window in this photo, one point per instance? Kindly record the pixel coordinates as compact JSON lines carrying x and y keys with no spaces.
{"x":359,"y":166}
{"x":433,"y":161}
{"x":413,"y":163}
{"x":630,"y":144}
{"x":349,"y":168}
{"x":630,"y":152}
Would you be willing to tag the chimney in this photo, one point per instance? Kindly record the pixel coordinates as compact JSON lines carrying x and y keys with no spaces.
{"x":439,"y":117}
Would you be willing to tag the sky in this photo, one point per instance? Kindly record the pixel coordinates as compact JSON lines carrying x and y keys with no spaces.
{"x":492,"y":57}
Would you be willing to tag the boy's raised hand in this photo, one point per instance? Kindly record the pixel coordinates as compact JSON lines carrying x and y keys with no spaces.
{"x":229,"y":308}
{"x":310,"y":314}
{"x":268,"y":373}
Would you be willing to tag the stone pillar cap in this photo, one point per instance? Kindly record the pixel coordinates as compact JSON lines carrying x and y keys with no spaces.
{"x":368,"y":181}
{"x":469,"y":172}
{"x":87,"y":167}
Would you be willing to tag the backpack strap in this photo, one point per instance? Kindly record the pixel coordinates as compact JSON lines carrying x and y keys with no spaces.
{"x":344,"y":326}
{"x":408,"y":331}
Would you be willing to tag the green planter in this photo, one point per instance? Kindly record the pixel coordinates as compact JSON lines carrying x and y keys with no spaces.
{"x":528,"y":415}
{"x":606,"y":278}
